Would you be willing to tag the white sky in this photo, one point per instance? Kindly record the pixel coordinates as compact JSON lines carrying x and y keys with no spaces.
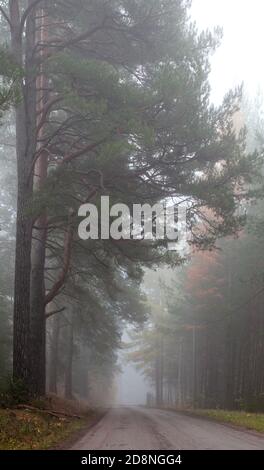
{"x":241,"y":55}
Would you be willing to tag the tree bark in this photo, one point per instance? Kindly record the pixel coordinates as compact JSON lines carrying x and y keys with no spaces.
{"x":69,"y":363}
{"x":54,"y":353}
{"x":38,"y":291}
{"x":229,"y":347}
{"x":26,"y":146}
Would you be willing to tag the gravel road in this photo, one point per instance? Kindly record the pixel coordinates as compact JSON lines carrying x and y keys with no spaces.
{"x":135,"y":428}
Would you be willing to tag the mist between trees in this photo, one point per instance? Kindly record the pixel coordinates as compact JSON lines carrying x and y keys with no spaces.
{"x":112,"y":98}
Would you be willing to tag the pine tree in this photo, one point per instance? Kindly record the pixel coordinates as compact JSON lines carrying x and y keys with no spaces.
{"x":115,"y":98}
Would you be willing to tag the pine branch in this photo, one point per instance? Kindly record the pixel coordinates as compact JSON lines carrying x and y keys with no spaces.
{"x":79,"y":153}
{"x":83,"y":36}
{"x":66,"y":264}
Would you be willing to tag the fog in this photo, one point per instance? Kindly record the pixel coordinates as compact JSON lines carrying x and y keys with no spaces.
{"x":239,"y":57}
{"x":132,"y":387}
{"x":238,"y":60}
{"x":131,"y":216}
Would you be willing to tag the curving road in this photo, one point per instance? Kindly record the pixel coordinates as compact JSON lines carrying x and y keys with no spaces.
{"x":132,"y":428}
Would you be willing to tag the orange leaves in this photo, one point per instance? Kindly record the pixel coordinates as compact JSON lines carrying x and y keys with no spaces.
{"x":204,"y":279}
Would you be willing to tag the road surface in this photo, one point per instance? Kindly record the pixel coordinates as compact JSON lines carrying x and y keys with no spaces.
{"x":135,"y":428}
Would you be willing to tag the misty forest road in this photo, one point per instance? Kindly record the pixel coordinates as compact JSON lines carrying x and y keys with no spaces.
{"x":136,"y":428}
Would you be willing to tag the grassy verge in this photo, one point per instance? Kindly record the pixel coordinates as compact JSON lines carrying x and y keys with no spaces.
{"x":252,"y":421}
{"x":35,"y":430}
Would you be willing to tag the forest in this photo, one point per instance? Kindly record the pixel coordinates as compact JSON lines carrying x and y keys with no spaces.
{"x":113,"y":98}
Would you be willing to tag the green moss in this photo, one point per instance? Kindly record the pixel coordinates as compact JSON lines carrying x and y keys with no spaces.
{"x":26,"y":430}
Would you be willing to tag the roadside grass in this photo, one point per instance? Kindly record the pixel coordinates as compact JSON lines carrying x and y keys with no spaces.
{"x":251,"y":421}
{"x":28,"y":430}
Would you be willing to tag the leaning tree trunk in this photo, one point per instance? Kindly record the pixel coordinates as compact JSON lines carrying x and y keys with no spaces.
{"x":25,"y":146}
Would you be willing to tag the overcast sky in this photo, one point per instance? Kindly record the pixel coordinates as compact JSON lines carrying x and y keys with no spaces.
{"x":241,"y":56}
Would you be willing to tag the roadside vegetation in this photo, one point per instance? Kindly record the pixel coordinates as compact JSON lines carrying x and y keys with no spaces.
{"x":251,"y":421}
{"x":43,"y":425}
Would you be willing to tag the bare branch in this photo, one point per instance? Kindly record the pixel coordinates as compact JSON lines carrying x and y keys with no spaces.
{"x":5,"y":16}
{"x":46,"y":110}
{"x":6,"y":144}
{"x":66,"y":264}
{"x":55,"y":312}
